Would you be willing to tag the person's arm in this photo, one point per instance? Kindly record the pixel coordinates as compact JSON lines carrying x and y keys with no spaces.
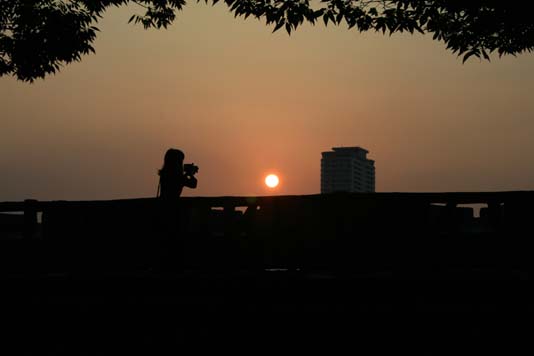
{"x":190,"y":181}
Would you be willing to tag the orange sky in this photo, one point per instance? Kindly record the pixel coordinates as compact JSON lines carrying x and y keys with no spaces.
{"x":242,"y":102}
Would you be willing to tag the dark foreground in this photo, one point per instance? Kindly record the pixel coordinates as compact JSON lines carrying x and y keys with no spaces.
{"x":276,"y":311}
{"x":334,"y":274}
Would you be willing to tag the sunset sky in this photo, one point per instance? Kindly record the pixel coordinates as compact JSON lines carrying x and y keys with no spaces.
{"x":242,"y":102}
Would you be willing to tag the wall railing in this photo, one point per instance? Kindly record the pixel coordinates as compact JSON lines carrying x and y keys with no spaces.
{"x":333,"y":231}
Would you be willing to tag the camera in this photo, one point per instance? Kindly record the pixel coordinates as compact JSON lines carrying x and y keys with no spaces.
{"x":190,"y":169}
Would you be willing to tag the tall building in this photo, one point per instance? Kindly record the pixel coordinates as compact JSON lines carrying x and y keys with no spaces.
{"x":347,"y":169}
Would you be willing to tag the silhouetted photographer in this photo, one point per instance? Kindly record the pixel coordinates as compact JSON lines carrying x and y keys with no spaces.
{"x":174,"y":175}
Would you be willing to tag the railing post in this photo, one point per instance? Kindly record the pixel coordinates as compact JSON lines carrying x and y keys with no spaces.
{"x":494,"y":214}
{"x":30,"y":218}
{"x":451,"y":217}
{"x":228,"y":219}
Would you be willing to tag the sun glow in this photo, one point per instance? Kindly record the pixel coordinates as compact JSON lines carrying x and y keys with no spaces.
{"x":272,"y":181}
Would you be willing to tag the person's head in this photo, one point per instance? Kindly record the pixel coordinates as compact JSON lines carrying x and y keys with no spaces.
{"x":173,"y":160}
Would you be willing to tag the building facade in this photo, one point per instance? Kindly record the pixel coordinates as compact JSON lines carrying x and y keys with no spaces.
{"x":347,"y":169}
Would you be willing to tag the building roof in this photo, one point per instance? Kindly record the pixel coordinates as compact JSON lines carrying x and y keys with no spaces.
{"x":349,"y":149}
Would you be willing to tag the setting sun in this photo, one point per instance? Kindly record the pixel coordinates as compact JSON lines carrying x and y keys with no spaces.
{"x":272,"y":181}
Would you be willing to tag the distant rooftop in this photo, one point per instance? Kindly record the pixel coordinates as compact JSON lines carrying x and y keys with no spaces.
{"x":349,"y":149}
{"x":357,"y":152}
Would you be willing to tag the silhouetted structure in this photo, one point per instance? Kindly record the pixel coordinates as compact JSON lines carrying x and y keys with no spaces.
{"x":351,"y":232}
{"x":347,"y":169}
